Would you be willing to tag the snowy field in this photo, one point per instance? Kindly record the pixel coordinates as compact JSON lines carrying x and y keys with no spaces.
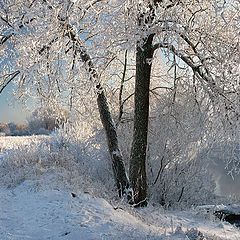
{"x":37,"y":208}
{"x":8,"y":143}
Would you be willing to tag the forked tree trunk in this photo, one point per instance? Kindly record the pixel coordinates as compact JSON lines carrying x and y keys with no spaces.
{"x":137,"y":171}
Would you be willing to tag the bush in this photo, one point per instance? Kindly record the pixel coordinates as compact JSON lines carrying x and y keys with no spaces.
{"x":4,"y":129}
{"x":44,"y":120}
{"x":177,"y":175}
{"x":59,"y":161}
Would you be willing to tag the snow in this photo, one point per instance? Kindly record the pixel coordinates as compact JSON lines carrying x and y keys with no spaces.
{"x":9,"y":143}
{"x":54,"y":214}
{"x":37,"y":209}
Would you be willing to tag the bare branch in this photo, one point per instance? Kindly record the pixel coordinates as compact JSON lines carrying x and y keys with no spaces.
{"x":186,"y":59}
{"x":5,"y":38}
{"x":5,"y":83}
{"x":121,"y":89}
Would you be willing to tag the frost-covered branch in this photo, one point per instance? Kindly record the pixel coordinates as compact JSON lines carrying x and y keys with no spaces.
{"x":196,"y":68}
{"x":7,"y":79}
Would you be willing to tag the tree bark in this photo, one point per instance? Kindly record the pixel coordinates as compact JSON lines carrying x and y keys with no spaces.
{"x":120,"y":175}
{"x":118,"y":166}
{"x":137,"y":171}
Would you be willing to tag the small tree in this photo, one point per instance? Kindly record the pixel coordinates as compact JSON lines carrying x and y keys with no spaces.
{"x":46,"y":119}
{"x":4,"y":128}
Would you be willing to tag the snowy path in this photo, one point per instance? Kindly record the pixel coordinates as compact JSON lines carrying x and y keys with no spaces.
{"x":53,"y":214}
{"x":27,"y":212}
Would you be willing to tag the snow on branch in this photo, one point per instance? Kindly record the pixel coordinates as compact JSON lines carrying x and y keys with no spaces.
{"x":7,"y":79}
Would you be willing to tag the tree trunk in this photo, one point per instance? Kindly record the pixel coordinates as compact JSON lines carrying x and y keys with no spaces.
{"x":137,"y":171}
{"x":119,"y":170}
{"x":120,"y":175}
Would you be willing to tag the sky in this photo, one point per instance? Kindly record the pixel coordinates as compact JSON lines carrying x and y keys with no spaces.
{"x":10,"y":109}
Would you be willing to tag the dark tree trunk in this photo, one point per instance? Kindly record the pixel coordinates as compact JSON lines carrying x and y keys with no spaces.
{"x":121,"y":178}
{"x":137,"y":171}
{"x":119,"y":170}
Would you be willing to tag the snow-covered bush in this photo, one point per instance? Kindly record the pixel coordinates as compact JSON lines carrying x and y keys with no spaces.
{"x":178,"y":176}
{"x":195,"y":234}
{"x":60,"y":161}
{"x":4,"y":129}
{"x":44,"y":120}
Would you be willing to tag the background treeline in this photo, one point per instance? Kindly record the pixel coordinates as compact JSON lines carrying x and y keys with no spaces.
{"x":42,"y":120}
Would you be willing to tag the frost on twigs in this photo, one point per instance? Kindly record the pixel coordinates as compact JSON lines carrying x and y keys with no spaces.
{"x":194,"y":234}
{"x":75,"y":165}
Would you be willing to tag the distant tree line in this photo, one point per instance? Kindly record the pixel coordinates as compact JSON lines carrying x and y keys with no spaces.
{"x":42,"y":121}
{"x":13,"y":129}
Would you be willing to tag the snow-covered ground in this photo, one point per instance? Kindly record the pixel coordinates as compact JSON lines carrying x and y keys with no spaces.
{"x":54,"y":214}
{"x":36,"y":209}
{"x":8,"y":143}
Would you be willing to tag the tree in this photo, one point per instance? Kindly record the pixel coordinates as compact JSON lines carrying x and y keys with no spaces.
{"x":49,"y":38}
{"x":46,"y":119}
{"x":185,"y":46}
{"x":12,"y":126}
{"x":4,"y":128}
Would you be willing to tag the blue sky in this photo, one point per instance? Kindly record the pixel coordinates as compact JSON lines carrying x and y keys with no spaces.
{"x":10,"y":109}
